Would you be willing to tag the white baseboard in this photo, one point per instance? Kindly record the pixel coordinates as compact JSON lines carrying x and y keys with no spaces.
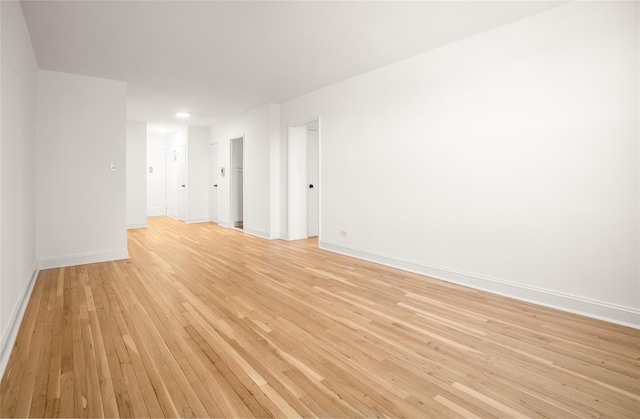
{"x":10,"y":335}
{"x":197,"y":220}
{"x":600,"y":310}
{"x":257,"y":233}
{"x":82,"y":259}
{"x":137,"y":225}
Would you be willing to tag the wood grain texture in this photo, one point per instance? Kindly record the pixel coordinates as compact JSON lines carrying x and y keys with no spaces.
{"x":205,"y":321}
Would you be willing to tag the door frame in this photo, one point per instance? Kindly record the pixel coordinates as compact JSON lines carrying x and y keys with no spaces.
{"x":290,"y":177}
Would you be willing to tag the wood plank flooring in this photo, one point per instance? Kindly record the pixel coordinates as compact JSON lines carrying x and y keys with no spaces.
{"x":204,"y":321}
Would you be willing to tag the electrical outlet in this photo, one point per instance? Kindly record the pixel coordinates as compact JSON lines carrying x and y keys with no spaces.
{"x":343,"y":233}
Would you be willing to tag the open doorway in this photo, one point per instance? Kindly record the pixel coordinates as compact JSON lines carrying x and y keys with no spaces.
{"x":304,"y":179}
{"x":237,"y":182}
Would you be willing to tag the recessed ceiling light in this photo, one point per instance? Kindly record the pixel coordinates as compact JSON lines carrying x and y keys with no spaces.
{"x":183,"y":114}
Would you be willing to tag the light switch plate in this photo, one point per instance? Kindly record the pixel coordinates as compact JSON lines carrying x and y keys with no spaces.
{"x":113,"y":166}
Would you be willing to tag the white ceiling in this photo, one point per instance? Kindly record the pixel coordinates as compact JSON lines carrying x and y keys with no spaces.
{"x":219,"y":59}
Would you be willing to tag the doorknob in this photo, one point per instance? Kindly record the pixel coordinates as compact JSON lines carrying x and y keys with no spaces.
{"x":310,"y":186}
{"x":183,"y":185}
{"x":215,"y":186}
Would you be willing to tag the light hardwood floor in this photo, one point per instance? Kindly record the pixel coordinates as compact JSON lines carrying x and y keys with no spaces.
{"x":205,"y":321}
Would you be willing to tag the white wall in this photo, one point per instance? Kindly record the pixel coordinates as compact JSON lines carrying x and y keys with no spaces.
{"x":507,"y":161}
{"x":136,"y":174}
{"x":157,"y":140}
{"x":274,"y":170}
{"x":18,"y":82}
{"x":81,"y":213}
{"x":256,"y":127}
{"x":197,"y":175}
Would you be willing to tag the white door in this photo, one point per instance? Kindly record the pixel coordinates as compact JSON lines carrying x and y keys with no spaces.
{"x":298,"y":185}
{"x":213,"y":183}
{"x":182,"y":183}
{"x":156,"y":182}
{"x":312,"y":178}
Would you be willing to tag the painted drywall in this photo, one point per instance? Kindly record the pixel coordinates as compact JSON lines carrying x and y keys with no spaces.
{"x":18,"y":85}
{"x":82,"y":205}
{"x":507,"y":161}
{"x":156,"y":140}
{"x":256,"y":127}
{"x":197,"y":175}
{"x":274,"y":170}
{"x":136,"y":174}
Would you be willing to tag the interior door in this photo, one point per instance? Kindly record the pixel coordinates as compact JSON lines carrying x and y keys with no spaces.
{"x":156,"y":182}
{"x":182,"y":183}
{"x":213,"y":183}
{"x":312,"y":178}
{"x":298,"y":185}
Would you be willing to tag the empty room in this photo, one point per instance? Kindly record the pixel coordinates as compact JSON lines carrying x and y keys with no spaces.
{"x":320,"y":209}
